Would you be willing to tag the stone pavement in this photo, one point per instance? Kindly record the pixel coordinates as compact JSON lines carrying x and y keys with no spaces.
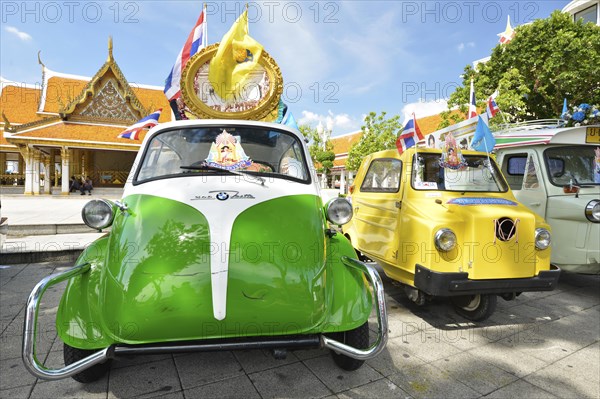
{"x":542,"y":345}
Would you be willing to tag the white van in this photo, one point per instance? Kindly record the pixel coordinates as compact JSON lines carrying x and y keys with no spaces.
{"x":555,"y":171}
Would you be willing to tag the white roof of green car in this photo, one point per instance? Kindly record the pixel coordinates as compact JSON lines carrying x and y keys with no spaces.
{"x":540,"y":132}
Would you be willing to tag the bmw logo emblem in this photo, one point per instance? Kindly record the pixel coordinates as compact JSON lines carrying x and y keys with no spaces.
{"x":222,"y":196}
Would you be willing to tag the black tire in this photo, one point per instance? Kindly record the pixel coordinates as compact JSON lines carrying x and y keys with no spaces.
{"x":475,"y":307}
{"x":94,"y":373}
{"x":357,"y":338}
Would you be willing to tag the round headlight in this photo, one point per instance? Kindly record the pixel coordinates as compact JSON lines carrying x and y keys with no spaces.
{"x":592,"y":211}
{"x":445,"y":240}
{"x":339,"y":211}
{"x":542,"y":238}
{"x":98,"y":214}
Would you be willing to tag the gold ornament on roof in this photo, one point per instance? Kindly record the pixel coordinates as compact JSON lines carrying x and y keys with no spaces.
{"x":257,"y":99}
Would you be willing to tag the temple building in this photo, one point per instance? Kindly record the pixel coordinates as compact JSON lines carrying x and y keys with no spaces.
{"x":68,"y":126}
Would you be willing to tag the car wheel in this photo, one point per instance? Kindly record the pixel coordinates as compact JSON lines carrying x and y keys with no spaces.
{"x":357,"y":338}
{"x":475,"y":307}
{"x":94,"y":373}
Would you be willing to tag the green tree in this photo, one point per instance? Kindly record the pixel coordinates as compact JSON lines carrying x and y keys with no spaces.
{"x":547,"y":61}
{"x":321,"y":154}
{"x":379,"y":133}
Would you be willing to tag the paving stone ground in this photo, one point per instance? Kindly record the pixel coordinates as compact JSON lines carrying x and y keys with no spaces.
{"x":542,"y":345}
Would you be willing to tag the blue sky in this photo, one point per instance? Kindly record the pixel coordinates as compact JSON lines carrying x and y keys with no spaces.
{"x":340,"y":60}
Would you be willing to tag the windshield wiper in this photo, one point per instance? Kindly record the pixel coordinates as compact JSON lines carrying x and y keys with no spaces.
{"x":205,"y":166}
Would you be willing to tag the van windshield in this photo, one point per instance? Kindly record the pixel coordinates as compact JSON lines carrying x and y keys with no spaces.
{"x":480,"y":174}
{"x":223,"y":150}
{"x":578,"y":164}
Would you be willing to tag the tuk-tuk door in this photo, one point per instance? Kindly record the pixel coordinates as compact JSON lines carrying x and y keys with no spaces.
{"x":377,"y":203}
{"x":525,"y":173}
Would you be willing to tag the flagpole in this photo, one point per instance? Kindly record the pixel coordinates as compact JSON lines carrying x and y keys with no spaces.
{"x":205,"y":28}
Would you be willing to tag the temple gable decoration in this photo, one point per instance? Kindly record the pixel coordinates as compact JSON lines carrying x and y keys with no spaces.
{"x":107,"y":98}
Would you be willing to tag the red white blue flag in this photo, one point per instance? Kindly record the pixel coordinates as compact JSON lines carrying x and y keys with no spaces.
{"x":492,"y":107}
{"x":410,"y":135}
{"x":195,"y":42}
{"x":472,"y":103}
{"x":133,"y":131}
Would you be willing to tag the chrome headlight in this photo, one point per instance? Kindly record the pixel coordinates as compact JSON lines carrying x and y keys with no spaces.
{"x":542,"y":238}
{"x":592,"y":211}
{"x":444,"y":240}
{"x":98,"y":214}
{"x":338,"y":211}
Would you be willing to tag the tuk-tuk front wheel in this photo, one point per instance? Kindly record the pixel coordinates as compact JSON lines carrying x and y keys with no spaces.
{"x":475,"y":307}
{"x":94,"y":373}
{"x":357,"y":338}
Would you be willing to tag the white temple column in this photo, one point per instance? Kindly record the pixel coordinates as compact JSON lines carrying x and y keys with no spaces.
{"x":343,"y":182}
{"x":47,"y":175}
{"x":27,"y":155}
{"x":65,"y":172}
{"x":36,"y":172}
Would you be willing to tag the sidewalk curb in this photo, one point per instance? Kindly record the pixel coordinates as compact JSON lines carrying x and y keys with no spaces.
{"x":39,"y":257}
{"x":47,"y":229}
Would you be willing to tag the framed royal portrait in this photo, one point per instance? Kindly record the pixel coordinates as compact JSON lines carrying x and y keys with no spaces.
{"x":256,"y":99}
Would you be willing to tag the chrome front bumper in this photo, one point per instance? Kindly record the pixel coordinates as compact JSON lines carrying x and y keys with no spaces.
{"x":39,"y":370}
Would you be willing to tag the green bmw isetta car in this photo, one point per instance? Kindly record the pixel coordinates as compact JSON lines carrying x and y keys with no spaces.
{"x":220,"y":242}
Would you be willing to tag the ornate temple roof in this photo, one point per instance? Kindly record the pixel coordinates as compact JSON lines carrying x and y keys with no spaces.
{"x":66,"y":108}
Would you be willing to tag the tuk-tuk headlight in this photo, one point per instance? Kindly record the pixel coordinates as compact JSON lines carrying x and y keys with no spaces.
{"x":542,"y":238}
{"x":98,"y":214}
{"x":338,"y":211}
{"x":445,"y":240}
{"x":592,"y":211}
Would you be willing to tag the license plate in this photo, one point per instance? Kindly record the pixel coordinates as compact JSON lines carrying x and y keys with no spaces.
{"x":592,"y":135}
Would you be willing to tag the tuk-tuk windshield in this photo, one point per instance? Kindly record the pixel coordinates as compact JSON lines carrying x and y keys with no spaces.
{"x":223,"y":150}
{"x":477,"y":173}
{"x":578,"y":165}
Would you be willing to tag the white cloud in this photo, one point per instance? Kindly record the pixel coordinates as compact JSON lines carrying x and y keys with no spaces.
{"x":424,"y":108}
{"x":462,"y":46}
{"x":337,"y":123}
{"x":21,"y":35}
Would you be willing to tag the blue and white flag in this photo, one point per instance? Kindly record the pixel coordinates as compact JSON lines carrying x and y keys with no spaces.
{"x":133,"y":131}
{"x":483,"y":139}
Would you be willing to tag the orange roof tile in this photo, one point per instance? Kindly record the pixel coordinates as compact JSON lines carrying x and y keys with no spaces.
{"x":429,"y":124}
{"x":152,"y":100}
{"x":60,"y":91}
{"x":340,"y":162}
{"x":80,"y":132}
{"x":20,"y":104}
{"x":342,"y":144}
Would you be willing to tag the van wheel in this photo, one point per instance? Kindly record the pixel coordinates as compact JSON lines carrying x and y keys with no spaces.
{"x":357,"y":338}
{"x":94,"y":373}
{"x":475,"y":307}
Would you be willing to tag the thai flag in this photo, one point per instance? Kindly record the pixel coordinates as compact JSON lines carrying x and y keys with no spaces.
{"x":492,"y":107}
{"x":133,"y":131}
{"x":472,"y":104}
{"x":407,"y":138}
{"x":195,"y":42}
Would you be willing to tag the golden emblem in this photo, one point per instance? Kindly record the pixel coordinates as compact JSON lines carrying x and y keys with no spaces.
{"x":257,"y":99}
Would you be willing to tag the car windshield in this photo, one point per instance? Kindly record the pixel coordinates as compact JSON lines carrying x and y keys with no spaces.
{"x":223,"y":150}
{"x":578,"y":165}
{"x":479,"y":173}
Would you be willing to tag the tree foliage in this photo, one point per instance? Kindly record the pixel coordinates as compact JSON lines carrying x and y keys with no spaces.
{"x":547,"y":61}
{"x":379,"y":133}
{"x":321,"y":154}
